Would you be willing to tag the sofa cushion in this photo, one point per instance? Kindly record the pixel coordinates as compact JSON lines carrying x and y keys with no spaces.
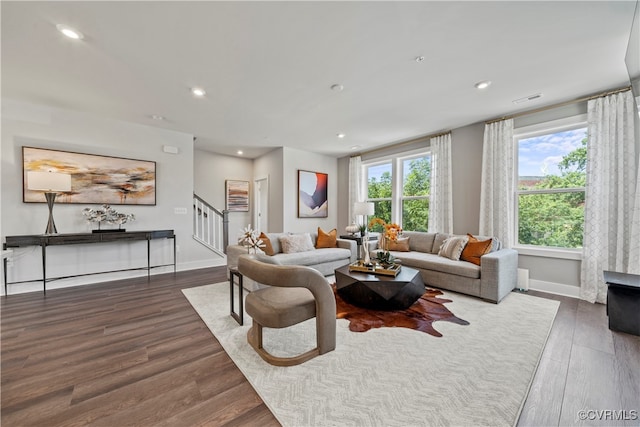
{"x":452,"y":247}
{"x":313,"y":257}
{"x":438,"y":263}
{"x":420,"y":241}
{"x":268,"y":248}
{"x":438,"y":241}
{"x":475,"y":249}
{"x":326,"y":240}
{"x":275,"y":241}
{"x":295,"y":243}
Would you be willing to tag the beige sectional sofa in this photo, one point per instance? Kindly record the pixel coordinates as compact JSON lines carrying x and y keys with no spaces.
{"x":325,"y":260}
{"x":492,"y":280}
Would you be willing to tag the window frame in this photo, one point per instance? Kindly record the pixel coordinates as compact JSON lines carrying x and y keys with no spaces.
{"x":531,"y":131}
{"x":397,"y":180}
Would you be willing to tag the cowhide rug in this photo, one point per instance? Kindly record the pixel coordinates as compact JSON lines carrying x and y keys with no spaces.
{"x":420,"y":316}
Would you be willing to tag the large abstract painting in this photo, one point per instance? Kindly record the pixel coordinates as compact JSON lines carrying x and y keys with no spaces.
{"x":312,"y":194}
{"x":94,"y":179}
{"x":237,"y":196}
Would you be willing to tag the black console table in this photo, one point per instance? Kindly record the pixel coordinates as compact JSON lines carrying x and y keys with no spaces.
{"x":45,"y":240}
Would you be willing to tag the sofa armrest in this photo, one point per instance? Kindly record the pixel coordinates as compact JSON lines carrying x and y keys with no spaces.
{"x":498,"y":274}
{"x":233,"y":252}
{"x":351,"y":245}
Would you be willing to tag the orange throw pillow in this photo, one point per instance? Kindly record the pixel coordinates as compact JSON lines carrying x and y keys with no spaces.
{"x":400,"y":245}
{"x":268,"y":248}
{"x":475,"y":249}
{"x":327,"y":240}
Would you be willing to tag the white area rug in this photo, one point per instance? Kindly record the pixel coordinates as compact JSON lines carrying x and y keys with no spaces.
{"x":478,"y":374}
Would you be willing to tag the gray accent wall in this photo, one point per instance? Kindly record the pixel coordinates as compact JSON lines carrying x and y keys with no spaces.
{"x":466,"y":153}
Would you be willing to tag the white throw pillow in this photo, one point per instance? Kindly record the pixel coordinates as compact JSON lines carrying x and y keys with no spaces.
{"x":296,"y":243}
{"x":453,"y":246}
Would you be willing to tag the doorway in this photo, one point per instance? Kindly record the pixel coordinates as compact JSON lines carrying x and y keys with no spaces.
{"x":261,"y":212}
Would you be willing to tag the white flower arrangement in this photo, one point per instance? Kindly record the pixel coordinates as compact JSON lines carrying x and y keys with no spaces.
{"x":251,"y":240}
{"x":108,"y":215}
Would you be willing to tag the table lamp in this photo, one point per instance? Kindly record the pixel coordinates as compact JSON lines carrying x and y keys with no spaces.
{"x":50,"y":183}
{"x":365,"y":209}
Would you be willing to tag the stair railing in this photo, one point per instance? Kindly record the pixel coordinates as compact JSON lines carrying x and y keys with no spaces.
{"x":210,"y":226}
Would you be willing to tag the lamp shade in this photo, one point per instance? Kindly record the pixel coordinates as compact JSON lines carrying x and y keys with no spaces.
{"x":363,"y":208}
{"x":48,"y":181}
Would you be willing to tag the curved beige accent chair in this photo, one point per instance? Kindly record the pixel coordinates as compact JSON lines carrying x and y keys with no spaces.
{"x":295,"y":294}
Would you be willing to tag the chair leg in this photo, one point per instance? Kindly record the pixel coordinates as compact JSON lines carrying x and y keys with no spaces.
{"x":254,"y":337}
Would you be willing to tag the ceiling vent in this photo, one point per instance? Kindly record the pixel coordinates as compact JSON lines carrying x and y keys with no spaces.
{"x":527,"y":98}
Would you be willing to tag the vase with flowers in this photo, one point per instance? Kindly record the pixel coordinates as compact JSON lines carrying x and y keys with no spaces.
{"x":107,"y":215}
{"x":251,"y":240}
{"x":390,"y":233}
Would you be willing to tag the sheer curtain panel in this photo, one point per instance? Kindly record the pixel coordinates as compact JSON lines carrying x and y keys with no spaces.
{"x":497,"y":185}
{"x":612,"y":177}
{"x":356,"y":192}
{"x":441,"y":197}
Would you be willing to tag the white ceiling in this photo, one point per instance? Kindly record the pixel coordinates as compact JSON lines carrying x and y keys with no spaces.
{"x":267,"y":67}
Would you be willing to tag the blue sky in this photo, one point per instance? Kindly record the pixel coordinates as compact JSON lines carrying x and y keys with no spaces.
{"x":540,"y":155}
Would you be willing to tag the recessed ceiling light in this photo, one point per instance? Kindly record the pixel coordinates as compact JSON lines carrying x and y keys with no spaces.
{"x":70,"y":32}
{"x":419,"y":58}
{"x":240,"y":153}
{"x":197,"y":91}
{"x":483,"y":84}
{"x":341,"y":135}
{"x":157,"y":117}
{"x":337,"y":87}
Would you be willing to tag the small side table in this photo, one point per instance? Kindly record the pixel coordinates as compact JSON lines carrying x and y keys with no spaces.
{"x":358,"y":240}
{"x":623,"y":302}
{"x":235,"y":277}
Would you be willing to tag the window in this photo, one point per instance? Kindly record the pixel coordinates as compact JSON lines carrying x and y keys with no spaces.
{"x":379,"y":189}
{"x":551,"y":171}
{"x":416,"y":174}
{"x":399,"y":188}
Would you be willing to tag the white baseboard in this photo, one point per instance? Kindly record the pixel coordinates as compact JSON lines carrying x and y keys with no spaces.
{"x":554,"y":288}
{"x":21,"y":288}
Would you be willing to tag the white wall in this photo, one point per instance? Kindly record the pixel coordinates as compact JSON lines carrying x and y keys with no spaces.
{"x":210,"y":173}
{"x":271,"y":165}
{"x":39,"y":126}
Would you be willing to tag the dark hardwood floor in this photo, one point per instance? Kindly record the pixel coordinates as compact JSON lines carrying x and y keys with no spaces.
{"x":134,"y":352}
{"x":130,"y":352}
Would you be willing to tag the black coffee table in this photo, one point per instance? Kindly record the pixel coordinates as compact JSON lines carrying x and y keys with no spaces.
{"x":377,"y":291}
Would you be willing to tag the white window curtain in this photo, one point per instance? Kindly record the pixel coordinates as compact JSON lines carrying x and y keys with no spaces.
{"x":441,"y":197}
{"x":497,"y":183}
{"x":612,"y":179}
{"x":356,"y":192}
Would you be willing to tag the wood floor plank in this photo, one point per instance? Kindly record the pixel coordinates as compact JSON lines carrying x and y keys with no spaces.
{"x":594,"y":327}
{"x":592,"y":385}
{"x":627,"y":348}
{"x":544,"y":402}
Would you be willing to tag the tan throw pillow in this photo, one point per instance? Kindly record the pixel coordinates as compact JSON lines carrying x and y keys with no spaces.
{"x":475,"y":249}
{"x":267,"y":248}
{"x":294,"y":243}
{"x":326,"y":240}
{"x":400,"y":245}
{"x":452,"y":247}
